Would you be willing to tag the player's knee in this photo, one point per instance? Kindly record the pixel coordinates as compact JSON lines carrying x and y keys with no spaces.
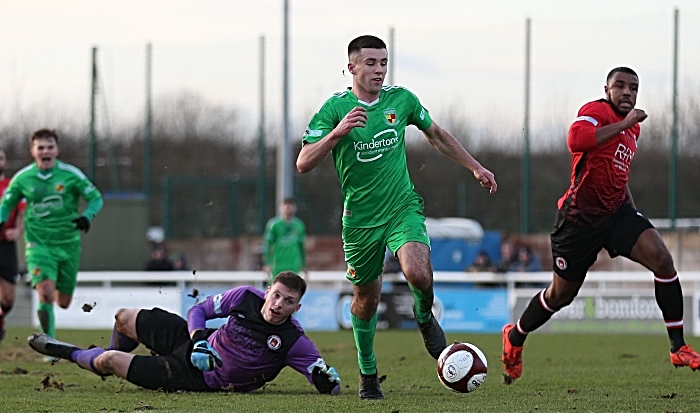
{"x":664,"y":263}
{"x":122,"y":318}
{"x":418,"y":272}
{"x":105,"y":362}
{"x":47,"y":297}
{"x":370,"y":303}
{"x":421,"y":280}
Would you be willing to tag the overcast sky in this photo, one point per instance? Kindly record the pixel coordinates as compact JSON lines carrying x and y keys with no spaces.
{"x":458,"y":56}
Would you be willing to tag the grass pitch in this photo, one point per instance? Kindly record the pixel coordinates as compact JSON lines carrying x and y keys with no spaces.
{"x":574,"y":373}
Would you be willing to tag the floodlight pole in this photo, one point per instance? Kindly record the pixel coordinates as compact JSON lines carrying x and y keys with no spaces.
{"x":284,"y":156}
{"x":261,"y":140}
{"x":92,"y":141}
{"x":525,"y":190}
{"x":673,"y":161}
{"x":392,"y":63}
{"x":148,"y":136}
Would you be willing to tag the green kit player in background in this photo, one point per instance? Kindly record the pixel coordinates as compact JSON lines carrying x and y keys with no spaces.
{"x":52,"y":224}
{"x":363,"y":127}
{"x":283,"y":242}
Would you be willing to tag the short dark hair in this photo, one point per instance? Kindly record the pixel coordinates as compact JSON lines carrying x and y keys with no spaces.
{"x":288,"y":201}
{"x":45,"y":134}
{"x":292,"y":281}
{"x":621,"y":69}
{"x":365,"y":42}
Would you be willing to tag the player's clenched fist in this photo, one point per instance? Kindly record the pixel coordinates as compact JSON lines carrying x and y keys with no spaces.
{"x":636,"y":116}
{"x":486,"y":179}
{"x":356,"y":118}
{"x":82,"y":224}
{"x":204,"y":357}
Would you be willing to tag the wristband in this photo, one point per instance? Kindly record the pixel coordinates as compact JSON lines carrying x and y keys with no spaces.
{"x":200,"y":335}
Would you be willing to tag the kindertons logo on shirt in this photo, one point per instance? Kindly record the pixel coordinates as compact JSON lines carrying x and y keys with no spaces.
{"x":373,"y":150}
{"x":46,"y":205}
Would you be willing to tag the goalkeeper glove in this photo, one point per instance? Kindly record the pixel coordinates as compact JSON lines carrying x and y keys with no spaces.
{"x":326,"y":380}
{"x":82,"y":224}
{"x":204,"y":356}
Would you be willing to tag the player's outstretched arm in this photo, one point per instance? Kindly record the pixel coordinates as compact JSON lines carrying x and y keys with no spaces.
{"x":313,"y":153}
{"x":449,"y":146}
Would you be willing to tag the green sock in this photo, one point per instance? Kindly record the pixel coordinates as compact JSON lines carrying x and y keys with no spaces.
{"x":47,"y":319}
{"x":423,"y":304}
{"x":364,"y":340}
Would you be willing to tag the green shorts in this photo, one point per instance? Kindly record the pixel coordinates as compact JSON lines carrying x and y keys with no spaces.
{"x":57,"y":263}
{"x":365,"y":247}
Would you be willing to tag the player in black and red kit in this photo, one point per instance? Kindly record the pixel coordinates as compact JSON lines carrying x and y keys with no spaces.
{"x":9,"y":233}
{"x":596,"y":212}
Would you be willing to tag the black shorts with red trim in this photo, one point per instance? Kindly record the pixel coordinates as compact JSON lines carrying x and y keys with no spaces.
{"x":8,"y":262}
{"x":170,"y":369}
{"x":575,"y":248}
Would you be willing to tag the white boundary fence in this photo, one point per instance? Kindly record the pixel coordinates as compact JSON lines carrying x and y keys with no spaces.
{"x":608,"y":301}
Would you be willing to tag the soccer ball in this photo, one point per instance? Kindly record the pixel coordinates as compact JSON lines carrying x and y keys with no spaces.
{"x":461,"y":367}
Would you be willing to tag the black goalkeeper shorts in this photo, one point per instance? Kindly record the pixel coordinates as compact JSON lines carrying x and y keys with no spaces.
{"x":166,"y":335}
{"x":575,"y":248}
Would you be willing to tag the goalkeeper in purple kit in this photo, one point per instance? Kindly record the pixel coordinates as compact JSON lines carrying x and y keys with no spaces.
{"x":259,"y":339}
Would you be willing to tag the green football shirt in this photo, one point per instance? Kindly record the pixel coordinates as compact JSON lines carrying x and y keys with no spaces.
{"x":371,"y":161}
{"x":284,"y":245}
{"x":52,"y":202}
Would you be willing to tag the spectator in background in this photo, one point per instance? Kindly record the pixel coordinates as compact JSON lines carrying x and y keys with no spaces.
{"x":283,"y":242}
{"x":159,"y":260}
{"x":526,"y":261}
{"x":482,"y":263}
{"x":180,"y":263}
{"x":257,"y":263}
{"x":508,"y":257}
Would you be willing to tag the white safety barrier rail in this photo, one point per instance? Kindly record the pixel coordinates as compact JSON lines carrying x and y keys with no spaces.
{"x":608,"y":301}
